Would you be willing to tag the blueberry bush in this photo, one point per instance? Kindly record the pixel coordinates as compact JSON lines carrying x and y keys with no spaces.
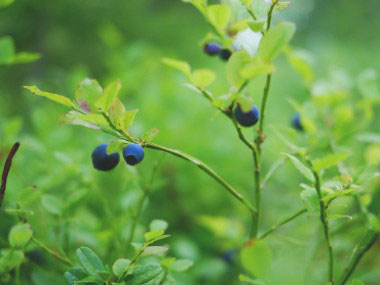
{"x":266,"y":172}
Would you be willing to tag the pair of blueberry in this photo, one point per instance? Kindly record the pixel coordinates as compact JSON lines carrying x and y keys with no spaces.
{"x":132,"y":153}
{"x":215,"y":49}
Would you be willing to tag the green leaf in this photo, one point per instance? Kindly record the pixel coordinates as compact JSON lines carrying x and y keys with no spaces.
{"x":52,"y":204}
{"x":5,"y":3}
{"x":248,"y":280}
{"x":300,"y":62}
{"x":202,"y":78}
{"x":304,"y":170}
{"x":10,"y":259}
{"x":234,"y":65}
{"x":153,"y":234}
{"x":275,"y":40}
{"x":201,"y":5}
{"x":310,"y":199}
{"x":154,"y":250}
{"x":74,"y":274}
{"x":329,"y":161}
{"x":246,"y":3}
{"x":181,"y":265}
{"x":182,"y":66}
{"x":7,"y":49}
{"x":90,"y":262}
{"x":87,"y":93}
{"x":150,"y":135}
{"x":115,"y":146}
{"x":87,"y":280}
{"x":120,"y":266}
{"x":256,"y":258}
{"x":219,"y":16}
{"x":25,"y":57}
{"x":256,"y":68}
{"x":109,"y":94}
{"x":117,"y":113}
{"x":20,"y":235}
{"x":144,"y":274}
{"x":126,"y":120}
{"x":54,"y":97}
{"x":158,"y":225}
{"x":257,"y":25}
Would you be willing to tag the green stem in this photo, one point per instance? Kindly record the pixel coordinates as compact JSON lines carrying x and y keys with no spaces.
{"x":52,"y":252}
{"x":325,"y":224}
{"x":364,"y":245}
{"x":208,"y":170}
{"x":283,"y":222}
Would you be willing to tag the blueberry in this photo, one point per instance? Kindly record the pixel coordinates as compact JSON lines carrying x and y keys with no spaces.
{"x":225,"y":54}
{"x":133,"y":154}
{"x":212,"y":49}
{"x":103,"y":161}
{"x":229,"y":256}
{"x":247,"y":119}
{"x":296,"y":122}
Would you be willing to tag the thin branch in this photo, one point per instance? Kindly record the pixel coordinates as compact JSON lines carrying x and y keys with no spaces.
{"x":283,"y":222}
{"x":7,"y":168}
{"x":364,"y":245}
{"x":325,"y":224}
{"x":208,"y":170}
{"x":52,"y":252}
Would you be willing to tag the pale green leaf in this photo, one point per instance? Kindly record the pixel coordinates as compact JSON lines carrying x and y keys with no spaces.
{"x":155,"y":250}
{"x":144,"y":274}
{"x":275,"y":40}
{"x":90,"y":262}
{"x":87,"y":93}
{"x":120,"y":266}
{"x":256,"y":258}
{"x":25,"y":57}
{"x":109,"y":94}
{"x":158,"y":225}
{"x":234,"y":65}
{"x":127,"y":119}
{"x":182,"y":66}
{"x":329,"y":161}
{"x":201,"y":5}
{"x":150,"y":135}
{"x":202,"y":78}
{"x":304,"y":170}
{"x":5,"y":3}
{"x":257,"y":25}
{"x":218,"y":16}
{"x":115,"y":146}
{"x":256,"y":68}
{"x":181,"y":265}
{"x":20,"y":235}
{"x":52,"y":204}
{"x":310,"y":199}
{"x":153,"y":234}
{"x":54,"y":97}
{"x":7,"y":50}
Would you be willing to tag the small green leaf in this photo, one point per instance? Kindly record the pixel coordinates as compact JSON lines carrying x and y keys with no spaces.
{"x":246,"y":3}
{"x":219,"y":16}
{"x":120,"y":266}
{"x":158,"y":225}
{"x":117,"y":112}
{"x":115,"y":146}
{"x":54,"y":97}
{"x":143,"y":274}
{"x":10,"y":258}
{"x":202,"y":78}
{"x":126,"y":120}
{"x":109,"y":94}
{"x":329,"y":161}
{"x":154,"y":250}
{"x":256,"y":258}
{"x":182,"y":66}
{"x":246,"y":279}
{"x":236,"y":62}
{"x":87,"y":280}
{"x":257,"y":25}
{"x":275,"y":40}
{"x":304,"y":170}
{"x":20,"y":235}
{"x":74,"y":274}
{"x":52,"y":204}
{"x":25,"y":57}
{"x":90,"y":262}
{"x":153,"y":234}
{"x":5,"y":3}
{"x":150,"y":135}
{"x":256,"y":68}
{"x":87,"y":93}
{"x":299,"y":60}
{"x":7,"y":49}
{"x":181,"y":265}
{"x":201,"y":5}
{"x":310,"y":199}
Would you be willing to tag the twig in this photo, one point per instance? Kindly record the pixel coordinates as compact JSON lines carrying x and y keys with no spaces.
{"x":52,"y":252}
{"x":6,"y":170}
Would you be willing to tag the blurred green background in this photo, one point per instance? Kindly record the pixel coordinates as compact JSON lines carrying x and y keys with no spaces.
{"x":126,"y":39}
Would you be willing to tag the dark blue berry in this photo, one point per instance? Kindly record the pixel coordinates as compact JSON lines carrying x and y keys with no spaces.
{"x":229,"y":256}
{"x":103,"y":161}
{"x":247,"y":119}
{"x":212,"y":49}
{"x":133,"y":154}
{"x":296,"y":122}
{"x":225,"y":54}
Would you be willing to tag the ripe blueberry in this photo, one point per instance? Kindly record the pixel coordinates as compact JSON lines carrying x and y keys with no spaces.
{"x":296,"y":122}
{"x":133,"y":154}
{"x":247,"y":119}
{"x":225,"y":54}
{"x":103,"y":161}
{"x":211,"y":49}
